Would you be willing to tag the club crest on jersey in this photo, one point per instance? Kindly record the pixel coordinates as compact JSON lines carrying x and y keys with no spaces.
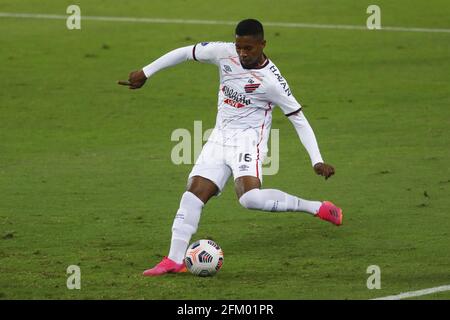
{"x":249,"y":88}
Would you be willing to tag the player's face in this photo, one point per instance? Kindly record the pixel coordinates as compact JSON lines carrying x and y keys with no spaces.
{"x":250,"y":50}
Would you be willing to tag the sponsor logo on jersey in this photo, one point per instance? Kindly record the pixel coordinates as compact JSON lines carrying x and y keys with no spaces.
{"x":249,"y":88}
{"x":234,"y":103}
{"x":281,"y":80}
{"x":234,"y":98}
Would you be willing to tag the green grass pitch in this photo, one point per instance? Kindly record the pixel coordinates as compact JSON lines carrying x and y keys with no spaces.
{"x":86,"y":177}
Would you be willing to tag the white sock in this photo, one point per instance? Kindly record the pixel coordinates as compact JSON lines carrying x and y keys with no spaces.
{"x":276,"y":200}
{"x":185,"y":225}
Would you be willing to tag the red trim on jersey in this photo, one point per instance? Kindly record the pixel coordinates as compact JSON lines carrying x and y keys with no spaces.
{"x":234,"y":61}
{"x":257,"y":146}
{"x":257,"y":172}
{"x":254,"y":74}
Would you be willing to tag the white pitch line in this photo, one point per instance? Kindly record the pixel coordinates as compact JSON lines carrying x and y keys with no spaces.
{"x":215,"y":22}
{"x":417,"y":293}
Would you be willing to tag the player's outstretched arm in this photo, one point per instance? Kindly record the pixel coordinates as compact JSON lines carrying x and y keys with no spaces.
{"x":292,"y":109}
{"x":309,"y":141}
{"x":137,"y":79}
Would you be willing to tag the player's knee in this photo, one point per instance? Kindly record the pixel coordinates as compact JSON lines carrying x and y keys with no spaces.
{"x":252,"y":200}
{"x":204,"y":189}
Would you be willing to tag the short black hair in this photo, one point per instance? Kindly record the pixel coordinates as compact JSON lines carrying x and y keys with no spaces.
{"x":250,"y":27}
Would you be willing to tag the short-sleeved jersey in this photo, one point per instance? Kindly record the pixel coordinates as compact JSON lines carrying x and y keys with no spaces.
{"x":246,"y":96}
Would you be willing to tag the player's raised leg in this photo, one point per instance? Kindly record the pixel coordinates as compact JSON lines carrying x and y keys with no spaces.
{"x":185,"y":224}
{"x":252,"y":197}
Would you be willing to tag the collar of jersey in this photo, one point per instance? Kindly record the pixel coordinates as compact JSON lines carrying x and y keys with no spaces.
{"x":266,"y":62}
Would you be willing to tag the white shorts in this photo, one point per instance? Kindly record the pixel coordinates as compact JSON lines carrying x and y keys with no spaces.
{"x":217,"y":162}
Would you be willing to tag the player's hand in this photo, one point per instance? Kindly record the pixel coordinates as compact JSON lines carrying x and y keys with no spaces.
{"x":136,"y":79}
{"x":324,"y":169}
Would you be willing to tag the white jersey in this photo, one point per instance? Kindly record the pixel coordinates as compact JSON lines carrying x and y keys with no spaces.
{"x":246,"y":99}
{"x":246,"y":96}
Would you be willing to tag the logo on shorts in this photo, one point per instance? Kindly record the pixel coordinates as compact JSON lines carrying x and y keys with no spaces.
{"x":204,"y":43}
{"x":188,"y":144}
{"x":244,"y":167}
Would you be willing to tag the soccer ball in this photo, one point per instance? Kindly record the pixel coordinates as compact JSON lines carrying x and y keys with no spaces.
{"x":204,"y":258}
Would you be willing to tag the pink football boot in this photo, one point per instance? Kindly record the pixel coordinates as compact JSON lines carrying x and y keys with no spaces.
{"x":329,"y":212}
{"x":165,"y":266}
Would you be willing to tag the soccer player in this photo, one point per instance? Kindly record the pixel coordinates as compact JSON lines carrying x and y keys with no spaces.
{"x":250,"y":87}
